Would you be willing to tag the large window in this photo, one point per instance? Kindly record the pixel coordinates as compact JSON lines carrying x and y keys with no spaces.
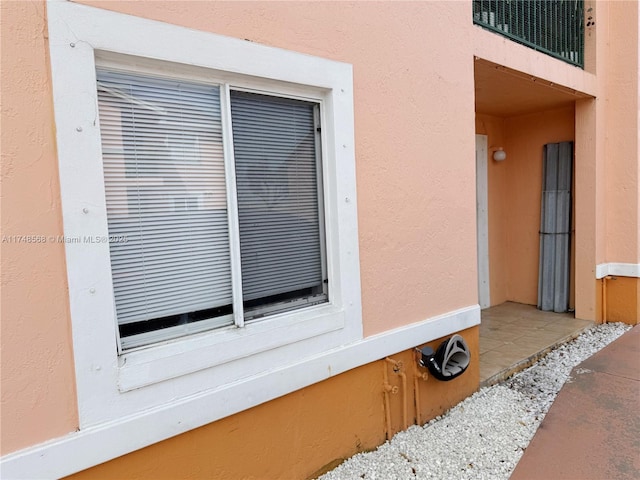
{"x":222,"y":172}
{"x":175,"y":194}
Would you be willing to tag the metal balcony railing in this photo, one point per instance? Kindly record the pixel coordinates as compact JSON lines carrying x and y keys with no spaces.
{"x":555,"y":27}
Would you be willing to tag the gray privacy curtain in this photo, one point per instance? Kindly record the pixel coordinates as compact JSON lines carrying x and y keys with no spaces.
{"x":555,"y":227}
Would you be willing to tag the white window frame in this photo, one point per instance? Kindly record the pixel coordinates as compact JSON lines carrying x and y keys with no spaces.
{"x":110,"y":386}
{"x":128,"y":64}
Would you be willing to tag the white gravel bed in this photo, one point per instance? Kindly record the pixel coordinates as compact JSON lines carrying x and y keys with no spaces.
{"x":484,"y":436}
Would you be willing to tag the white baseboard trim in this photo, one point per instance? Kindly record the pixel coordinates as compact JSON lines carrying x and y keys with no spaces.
{"x":84,"y":449}
{"x":618,"y":269}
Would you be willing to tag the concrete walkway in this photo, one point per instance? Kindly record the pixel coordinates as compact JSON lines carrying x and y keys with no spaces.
{"x":592,"y":431}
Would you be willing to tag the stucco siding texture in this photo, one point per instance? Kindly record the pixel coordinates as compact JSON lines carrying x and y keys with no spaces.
{"x":622,"y":157}
{"x":415,"y":174}
{"x":413,"y":95}
{"x":413,"y":66}
{"x":38,"y":386}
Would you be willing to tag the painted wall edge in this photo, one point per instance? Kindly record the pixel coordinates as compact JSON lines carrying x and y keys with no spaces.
{"x":618,"y":269}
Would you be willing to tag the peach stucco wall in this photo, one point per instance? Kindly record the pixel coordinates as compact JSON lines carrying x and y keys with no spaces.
{"x":413,"y":89}
{"x":622,"y":111}
{"x":607,"y":216}
{"x":38,"y":392}
{"x":415,"y":173}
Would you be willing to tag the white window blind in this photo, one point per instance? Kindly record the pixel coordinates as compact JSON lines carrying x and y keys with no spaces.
{"x":166,"y":205}
{"x":276,"y":150}
{"x":166,"y":196}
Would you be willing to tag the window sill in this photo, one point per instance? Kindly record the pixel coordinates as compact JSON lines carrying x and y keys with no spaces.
{"x":176,"y":358}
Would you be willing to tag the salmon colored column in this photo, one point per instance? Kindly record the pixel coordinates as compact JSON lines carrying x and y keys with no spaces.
{"x":589,"y":211}
{"x":591,"y":164}
{"x":607,"y":212}
{"x":38,"y":393}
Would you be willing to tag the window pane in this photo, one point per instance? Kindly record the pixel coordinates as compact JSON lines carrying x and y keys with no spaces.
{"x":166,"y":196}
{"x":278,"y":184}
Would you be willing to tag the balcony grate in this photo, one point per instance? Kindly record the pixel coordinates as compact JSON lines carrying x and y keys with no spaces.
{"x":555,"y":27}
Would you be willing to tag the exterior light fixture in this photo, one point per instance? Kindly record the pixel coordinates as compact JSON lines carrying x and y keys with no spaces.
{"x":499,"y":155}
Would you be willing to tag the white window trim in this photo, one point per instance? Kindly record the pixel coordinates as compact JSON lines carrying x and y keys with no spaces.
{"x":111,"y":386}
